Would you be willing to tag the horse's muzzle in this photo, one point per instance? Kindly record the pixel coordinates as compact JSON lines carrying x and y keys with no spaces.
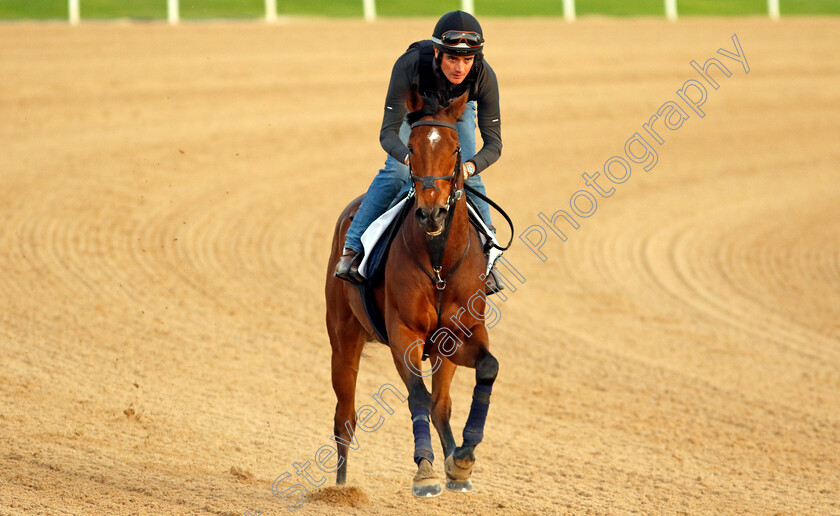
{"x":432,"y":220}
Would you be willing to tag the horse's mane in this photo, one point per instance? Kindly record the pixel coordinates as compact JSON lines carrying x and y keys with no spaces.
{"x":431,"y":105}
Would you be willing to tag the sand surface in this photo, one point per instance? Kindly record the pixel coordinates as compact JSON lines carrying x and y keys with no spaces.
{"x":168,"y":199}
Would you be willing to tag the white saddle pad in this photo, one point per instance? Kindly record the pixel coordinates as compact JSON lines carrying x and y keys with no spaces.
{"x":374,"y":232}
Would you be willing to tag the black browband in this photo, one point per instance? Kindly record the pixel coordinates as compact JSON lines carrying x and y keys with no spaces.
{"x":434,"y":122}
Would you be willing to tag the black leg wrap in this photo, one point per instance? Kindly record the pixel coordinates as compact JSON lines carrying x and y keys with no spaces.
{"x":474,"y":428}
{"x":422,"y":435}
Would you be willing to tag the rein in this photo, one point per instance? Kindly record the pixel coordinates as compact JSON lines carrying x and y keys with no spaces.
{"x":437,"y":245}
{"x":498,"y":208}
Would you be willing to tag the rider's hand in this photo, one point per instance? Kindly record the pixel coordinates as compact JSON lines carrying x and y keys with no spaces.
{"x":468,"y":169}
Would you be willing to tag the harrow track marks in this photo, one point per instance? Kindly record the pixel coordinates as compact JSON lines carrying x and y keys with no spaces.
{"x":700,"y":273}
{"x":168,"y":202}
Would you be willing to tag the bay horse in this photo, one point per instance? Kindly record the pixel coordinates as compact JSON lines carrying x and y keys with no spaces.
{"x":433,"y":275}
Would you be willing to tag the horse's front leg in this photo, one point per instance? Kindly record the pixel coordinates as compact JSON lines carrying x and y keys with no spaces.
{"x":442,"y":401}
{"x":459,"y":465}
{"x":407,"y":350}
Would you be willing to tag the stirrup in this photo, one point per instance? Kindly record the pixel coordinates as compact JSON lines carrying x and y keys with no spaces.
{"x":492,"y":283}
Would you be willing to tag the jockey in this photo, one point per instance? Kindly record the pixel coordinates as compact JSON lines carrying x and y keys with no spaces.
{"x":445,"y":67}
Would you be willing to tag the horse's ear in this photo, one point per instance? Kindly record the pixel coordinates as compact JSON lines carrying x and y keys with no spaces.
{"x":456,"y":107}
{"x":413,"y":101}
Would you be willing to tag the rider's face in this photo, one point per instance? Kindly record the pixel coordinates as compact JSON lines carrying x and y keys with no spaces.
{"x":455,"y":68}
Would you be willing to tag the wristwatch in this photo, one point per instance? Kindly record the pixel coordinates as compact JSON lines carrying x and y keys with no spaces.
{"x":470,"y":168}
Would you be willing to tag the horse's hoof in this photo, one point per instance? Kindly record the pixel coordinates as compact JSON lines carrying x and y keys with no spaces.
{"x":458,"y":472}
{"x":423,"y":489}
{"x":426,"y":483}
{"x":459,"y":486}
{"x":459,"y":469}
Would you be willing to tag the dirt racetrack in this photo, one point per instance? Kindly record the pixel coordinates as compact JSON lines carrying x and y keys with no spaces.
{"x":168,"y":197}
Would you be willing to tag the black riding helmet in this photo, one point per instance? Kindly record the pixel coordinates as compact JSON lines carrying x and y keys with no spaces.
{"x":458,"y":33}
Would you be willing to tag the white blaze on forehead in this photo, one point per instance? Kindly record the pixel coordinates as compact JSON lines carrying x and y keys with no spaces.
{"x":434,"y":136}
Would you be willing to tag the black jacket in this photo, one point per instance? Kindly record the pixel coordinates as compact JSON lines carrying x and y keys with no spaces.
{"x":483,"y":87}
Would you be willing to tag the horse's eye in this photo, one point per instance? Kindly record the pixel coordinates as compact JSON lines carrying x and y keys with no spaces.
{"x":410,"y":149}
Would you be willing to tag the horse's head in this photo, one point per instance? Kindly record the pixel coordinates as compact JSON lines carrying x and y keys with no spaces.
{"x":435,"y":159}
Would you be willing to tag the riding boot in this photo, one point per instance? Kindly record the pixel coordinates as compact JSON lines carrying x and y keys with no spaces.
{"x":347,"y":267}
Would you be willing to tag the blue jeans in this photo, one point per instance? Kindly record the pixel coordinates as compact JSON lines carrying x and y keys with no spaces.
{"x":393,"y":180}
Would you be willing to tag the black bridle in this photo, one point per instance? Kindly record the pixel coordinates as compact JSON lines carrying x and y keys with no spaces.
{"x":437,"y":244}
{"x":429,"y":181}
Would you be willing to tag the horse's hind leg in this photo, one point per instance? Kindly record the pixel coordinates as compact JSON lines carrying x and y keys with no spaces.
{"x":347,"y":340}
